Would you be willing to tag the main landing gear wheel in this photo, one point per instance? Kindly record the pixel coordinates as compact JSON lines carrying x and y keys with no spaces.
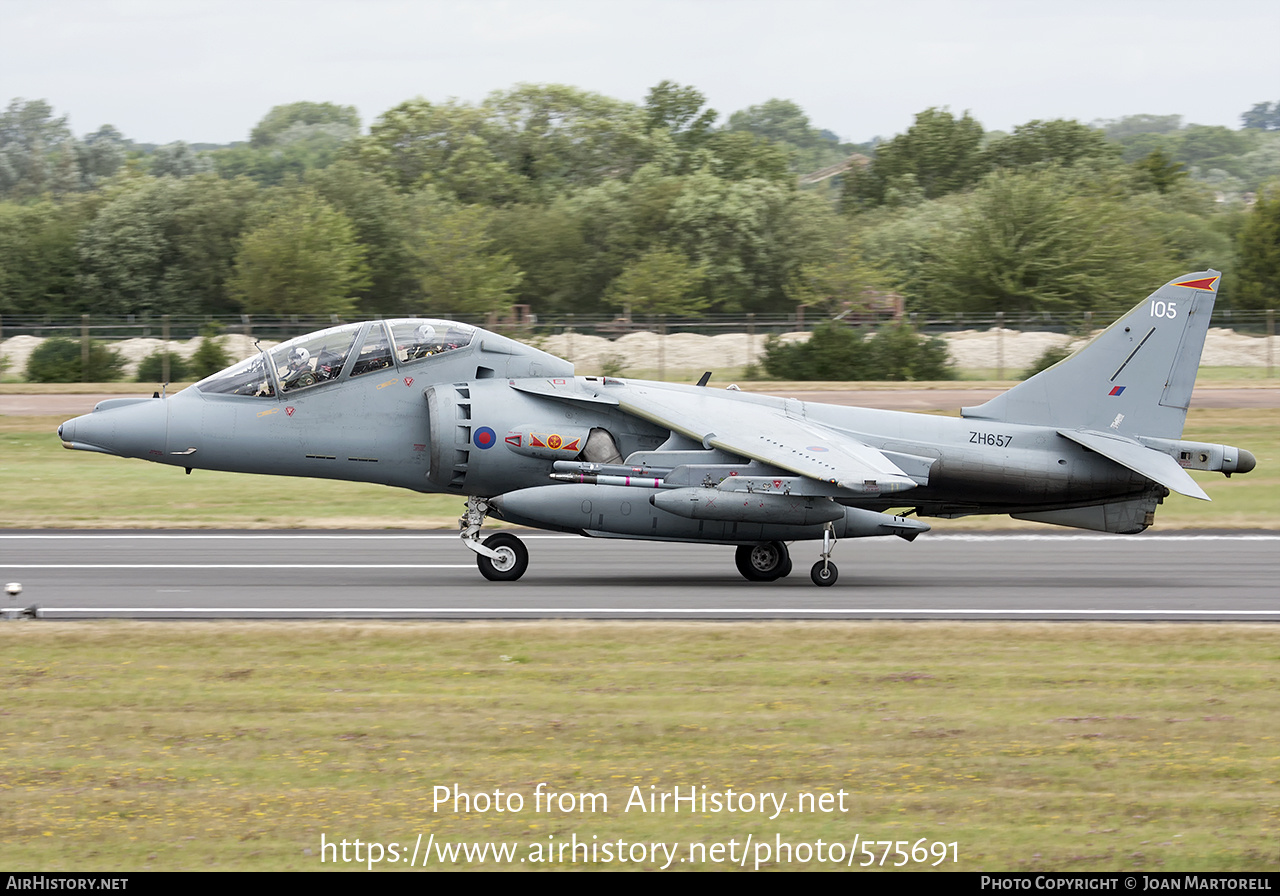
{"x":824,"y":573}
{"x":763,"y":562}
{"x":511,"y":562}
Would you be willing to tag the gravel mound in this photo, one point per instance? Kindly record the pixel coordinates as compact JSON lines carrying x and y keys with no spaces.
{"x":690,"y":351}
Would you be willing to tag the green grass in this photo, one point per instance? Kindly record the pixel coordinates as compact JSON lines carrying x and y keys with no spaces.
{"x":131,"y":746}
{"x":47,"y":486}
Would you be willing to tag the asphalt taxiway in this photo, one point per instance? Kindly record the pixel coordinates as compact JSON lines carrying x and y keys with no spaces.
{"x":1188,"y":576}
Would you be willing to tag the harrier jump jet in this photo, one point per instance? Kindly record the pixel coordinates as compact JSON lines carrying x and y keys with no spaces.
{"x":434,"y":406}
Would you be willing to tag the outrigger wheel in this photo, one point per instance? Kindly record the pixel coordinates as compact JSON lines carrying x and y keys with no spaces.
{"x":763,"y":562}
{"x":824,"y":573}
{"x":511,"y":562}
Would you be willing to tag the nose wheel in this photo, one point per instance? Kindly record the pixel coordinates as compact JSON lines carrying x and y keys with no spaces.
{"x":509,"y":561}
{"x":501,"y":557}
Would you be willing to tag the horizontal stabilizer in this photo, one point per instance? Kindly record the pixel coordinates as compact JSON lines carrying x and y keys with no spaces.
{"x":1155,"y":465}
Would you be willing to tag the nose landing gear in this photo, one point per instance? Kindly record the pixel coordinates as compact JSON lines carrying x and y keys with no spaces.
{"x":501,"y":557}
{"x":510,"y":560}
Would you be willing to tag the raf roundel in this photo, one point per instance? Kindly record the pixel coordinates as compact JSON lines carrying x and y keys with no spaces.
{"x":485,"y":437}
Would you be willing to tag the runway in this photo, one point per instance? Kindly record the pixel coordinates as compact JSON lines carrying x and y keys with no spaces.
{"x":1223,"y":576}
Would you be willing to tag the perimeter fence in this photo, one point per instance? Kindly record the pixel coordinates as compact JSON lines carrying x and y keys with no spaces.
{"x":182,"y":327}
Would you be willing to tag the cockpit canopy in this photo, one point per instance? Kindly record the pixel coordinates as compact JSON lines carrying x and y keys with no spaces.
{"x":343,"y":352}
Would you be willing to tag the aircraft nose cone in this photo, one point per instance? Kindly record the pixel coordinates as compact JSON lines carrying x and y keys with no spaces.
{"x":128,"y":428}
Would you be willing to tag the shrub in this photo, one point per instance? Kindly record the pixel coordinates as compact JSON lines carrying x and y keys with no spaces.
{"x":614,"y":365}
{"x":839,"y":352}
{"x":210,"y":357}
{"x":898,"y":352}
{"x":151,"y":369}
{"x":1050,"y":356}
{"x":834,"y":352}
{"x":58,"y":360}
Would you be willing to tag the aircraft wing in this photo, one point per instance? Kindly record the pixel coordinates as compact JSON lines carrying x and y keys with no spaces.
{"x":767,"y":434}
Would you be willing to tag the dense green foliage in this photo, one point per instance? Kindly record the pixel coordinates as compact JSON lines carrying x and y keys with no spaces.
{"x":1260,"y":253}
{"x":1047,"y":359}
{"x":61,"y":360}
{"x":573,"y":202}
{"x":1043,"y":241}
{"x":151,"y":368}
{"x":659,"y":282}
{"x":284,"y":125}
{"x":302,"y":258}
{"x":1263,"y":116}
{"x":836,"y":351}
{"x":209,"y":357}
{"x":939,"y":154}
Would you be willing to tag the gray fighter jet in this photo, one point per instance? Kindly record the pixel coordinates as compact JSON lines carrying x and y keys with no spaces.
{"x":433,"y":406}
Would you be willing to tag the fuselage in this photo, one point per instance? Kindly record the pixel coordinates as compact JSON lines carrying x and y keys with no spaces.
{"x":458,"y":421}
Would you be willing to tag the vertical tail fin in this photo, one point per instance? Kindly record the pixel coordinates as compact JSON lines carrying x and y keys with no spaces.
{"x":1134,"y":378}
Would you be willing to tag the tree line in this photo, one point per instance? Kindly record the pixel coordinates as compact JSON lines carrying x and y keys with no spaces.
{"x":573,"y":202}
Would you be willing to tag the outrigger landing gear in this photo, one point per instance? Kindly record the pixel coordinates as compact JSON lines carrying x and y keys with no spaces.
{"x":763,"y":562}
{"x":824,"y":572}
{"x":501,"y":557}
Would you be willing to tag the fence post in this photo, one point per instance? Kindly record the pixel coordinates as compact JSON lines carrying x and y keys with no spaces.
{"x":164,"y":357}
{"x":751,"y":337}
{"x":999,"y":345}
{"x":1271,"y":342}
{"x":84,"y":348}
{"x":569,"y":341}
{"x":662,"y":348}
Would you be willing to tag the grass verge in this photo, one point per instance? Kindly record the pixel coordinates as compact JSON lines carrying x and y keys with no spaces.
{"x":135,"y":746}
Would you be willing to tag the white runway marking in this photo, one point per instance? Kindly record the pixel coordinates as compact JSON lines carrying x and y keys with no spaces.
{"x":240,"y":566}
